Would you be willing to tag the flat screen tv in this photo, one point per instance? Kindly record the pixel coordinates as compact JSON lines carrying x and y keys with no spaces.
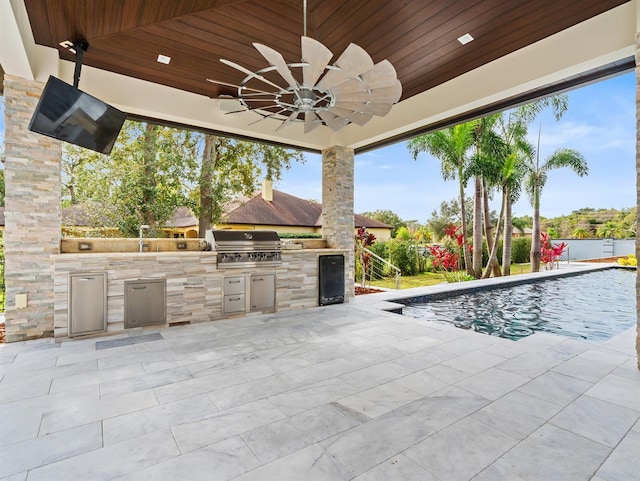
{"x":67,"y":113}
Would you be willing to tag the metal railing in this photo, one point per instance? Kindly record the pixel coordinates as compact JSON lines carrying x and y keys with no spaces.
{"x":379,"y":268}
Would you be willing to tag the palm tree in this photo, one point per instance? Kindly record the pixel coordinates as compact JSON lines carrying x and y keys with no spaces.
{"x":509,"y":177}
{"x":513,"y":127}
{"x":580,"y":233}
{"x":536,"y":177}
{"x":488,"y":150}
{"x":608,"y":230}
{"x":451,"y":146}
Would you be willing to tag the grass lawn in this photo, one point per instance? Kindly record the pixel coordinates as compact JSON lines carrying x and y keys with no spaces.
{"x":432,"y":278}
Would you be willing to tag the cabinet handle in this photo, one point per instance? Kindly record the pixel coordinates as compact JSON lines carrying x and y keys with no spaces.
{"x":82,"y":279}
{"x":139,"y":288}
{"x":237,"y":299}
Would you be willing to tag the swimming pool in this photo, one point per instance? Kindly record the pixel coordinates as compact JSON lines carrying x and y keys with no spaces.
{"x":594,"y":306}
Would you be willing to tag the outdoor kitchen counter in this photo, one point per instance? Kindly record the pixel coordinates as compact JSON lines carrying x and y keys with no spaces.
{"x":193,"y":282}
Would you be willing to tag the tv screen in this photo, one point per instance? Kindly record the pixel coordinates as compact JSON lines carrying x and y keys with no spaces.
{"x":67,"y":113}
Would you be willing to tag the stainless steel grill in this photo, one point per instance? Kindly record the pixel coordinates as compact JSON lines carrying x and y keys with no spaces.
{"x":242,"y":248}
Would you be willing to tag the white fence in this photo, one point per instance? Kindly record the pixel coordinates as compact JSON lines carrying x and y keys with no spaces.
{"x":597,"y":248}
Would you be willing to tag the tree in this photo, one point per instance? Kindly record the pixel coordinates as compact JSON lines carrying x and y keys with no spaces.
{"x":513,"y":151}
{"x":608,"y":230}
{"x":152,"y":170}
{"x":536,"y":178}
{"x":485,"y":166}
{"x":508,"y":177}
{"x":448,"y":213}
{"x":451,"y":146}
{"x":522,"y":222}
{"x":580,"y":233}
{"x":207,"y":169}
{"x":388,"y":217}
{"x":230,"y":167}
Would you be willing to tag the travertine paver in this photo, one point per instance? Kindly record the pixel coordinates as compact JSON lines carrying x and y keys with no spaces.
{"x":346,"y":392}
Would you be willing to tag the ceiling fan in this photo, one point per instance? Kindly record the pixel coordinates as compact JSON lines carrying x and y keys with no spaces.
{"x":351,"y":90}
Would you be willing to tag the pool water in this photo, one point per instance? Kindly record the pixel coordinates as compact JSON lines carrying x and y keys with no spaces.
{"x":593,"y":307}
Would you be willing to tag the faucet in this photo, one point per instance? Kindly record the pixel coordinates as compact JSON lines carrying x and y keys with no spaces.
{"x":141,"y":242}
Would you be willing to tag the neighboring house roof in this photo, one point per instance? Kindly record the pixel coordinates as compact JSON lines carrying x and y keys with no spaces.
{"x":84,"y":215}
{"x":286,"y":210}
{"x":183,"y":217}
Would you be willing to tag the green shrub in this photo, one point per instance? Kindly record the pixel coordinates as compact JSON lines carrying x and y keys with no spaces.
{"x":404,"y":255}
{"x":457,"y":276}
{"x":300,"y":235}
{"x":379,"y":268}
{"x":520,"y":248}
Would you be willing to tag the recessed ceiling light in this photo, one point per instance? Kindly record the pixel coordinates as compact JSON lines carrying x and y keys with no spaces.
{"x":465,"y":39}
{"x":164,"y":59}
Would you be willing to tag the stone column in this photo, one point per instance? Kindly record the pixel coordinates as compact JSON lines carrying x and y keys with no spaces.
{"x":337,"y":206}
{"x":32,"y":215}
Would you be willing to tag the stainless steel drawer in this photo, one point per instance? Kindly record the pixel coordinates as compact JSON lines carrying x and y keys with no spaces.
{"x":234,"y":285}
{"x":234,"y":303}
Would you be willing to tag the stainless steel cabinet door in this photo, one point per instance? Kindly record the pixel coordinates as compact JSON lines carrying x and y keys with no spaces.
{"x":87,"y":303}
{"x":263,"y":292}
{"x":145,"y":302}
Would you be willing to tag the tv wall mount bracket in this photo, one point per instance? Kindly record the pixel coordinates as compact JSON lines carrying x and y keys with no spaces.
{"x":78,"y":48}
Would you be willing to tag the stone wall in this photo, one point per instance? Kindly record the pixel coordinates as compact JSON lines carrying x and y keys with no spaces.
{"x":32,"y":214}
{"x":194,"y":284}
{"x":337,"y":206}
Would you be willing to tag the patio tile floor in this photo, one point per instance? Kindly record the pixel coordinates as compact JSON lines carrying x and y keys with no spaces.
{"x":345,"y":392}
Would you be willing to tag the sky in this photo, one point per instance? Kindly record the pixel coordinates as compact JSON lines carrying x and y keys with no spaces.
{"x":600,"y":123}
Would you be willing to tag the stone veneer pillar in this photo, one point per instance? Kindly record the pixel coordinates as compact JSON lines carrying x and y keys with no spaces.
{"x":32,"y":214}
{"x":337,"y":206}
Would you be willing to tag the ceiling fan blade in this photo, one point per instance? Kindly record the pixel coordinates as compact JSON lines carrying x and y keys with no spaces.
{"x":273,"y":114}
{"x":358,"y":118}
{"x":317,"y":56}
{"x":249,"y":72}
{"x":393,"y":92}
{"x":277,"y":60}
{"x":334,"y":122}
{"x":378,"y":96}
{"x":311,"y":122}
{"x":238,"y":86}
{"x":366,"y":108}
{"x":380,"y":76}
{"x":291,"y":117}
{"x":354,"y":61}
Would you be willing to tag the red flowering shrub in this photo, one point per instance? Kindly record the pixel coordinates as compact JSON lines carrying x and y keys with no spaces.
{"x":550,"y":253}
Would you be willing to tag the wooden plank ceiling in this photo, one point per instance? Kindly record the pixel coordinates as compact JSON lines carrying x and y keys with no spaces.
{"x":418,"y":37}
